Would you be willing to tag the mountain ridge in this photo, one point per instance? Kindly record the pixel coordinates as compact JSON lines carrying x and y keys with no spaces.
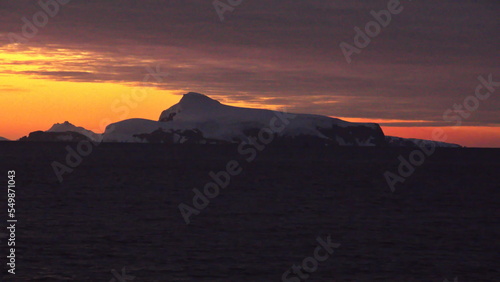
{"x":199,"y":119}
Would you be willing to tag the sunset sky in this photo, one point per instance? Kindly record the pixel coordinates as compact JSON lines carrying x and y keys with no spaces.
{"x":91,"y":56}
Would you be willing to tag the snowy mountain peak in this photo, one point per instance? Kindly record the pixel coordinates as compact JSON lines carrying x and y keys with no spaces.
{"x":67,"y":126}
{"x":195,"y":103}
{"x":57,"y":127}
{"x":197,"y":99}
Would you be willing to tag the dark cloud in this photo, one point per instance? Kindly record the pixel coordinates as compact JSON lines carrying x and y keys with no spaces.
{"x":426,"y":60}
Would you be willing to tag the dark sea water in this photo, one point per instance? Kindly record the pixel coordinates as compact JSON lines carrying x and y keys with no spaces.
{"x":119,"y":210}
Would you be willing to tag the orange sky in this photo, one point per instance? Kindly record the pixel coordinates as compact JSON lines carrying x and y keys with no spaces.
{"x":469,"y":136}
{"x":34,"y":102}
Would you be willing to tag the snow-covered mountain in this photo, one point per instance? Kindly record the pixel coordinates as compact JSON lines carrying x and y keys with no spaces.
{"x":412,"y":142}
{"x":200,"y":119}
{"x":68,"y":127}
